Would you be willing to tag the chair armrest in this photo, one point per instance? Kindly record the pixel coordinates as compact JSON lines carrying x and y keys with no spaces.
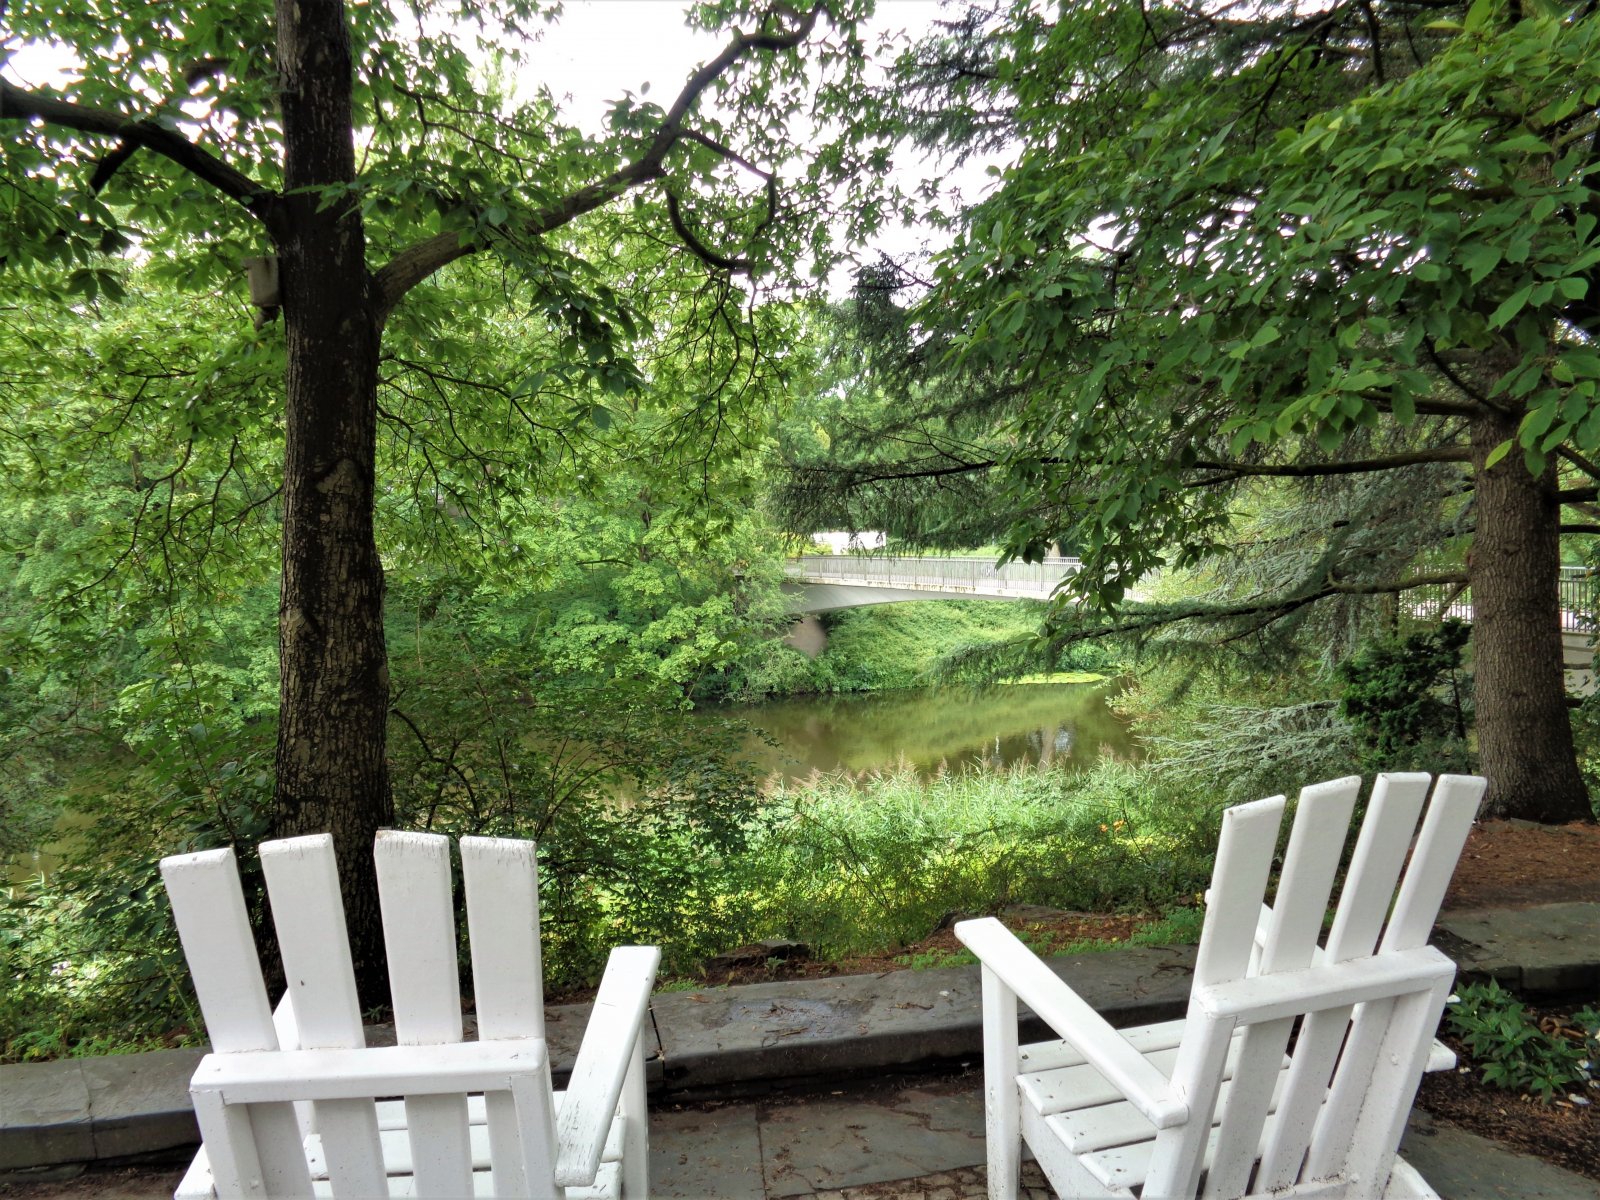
{"x":1085,"y":1030}
{"x":597,"y":1077}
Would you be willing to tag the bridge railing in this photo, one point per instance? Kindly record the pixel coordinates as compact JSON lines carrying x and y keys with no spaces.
{"x":933,"y":573}
{"x":1576,"y":587}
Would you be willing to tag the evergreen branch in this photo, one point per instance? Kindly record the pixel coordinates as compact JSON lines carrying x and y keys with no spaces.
{"x":1272,"y":610}
{"x":1233,"y":471}
{"x":861,"y":476}
{"x":19,"y":103}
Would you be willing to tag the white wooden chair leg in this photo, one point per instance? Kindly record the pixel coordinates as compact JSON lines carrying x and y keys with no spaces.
{"x":636,"y":1128}
{"x":1001,"y":1111}
{"x":536,"y":1120}
{"x":235,"y":1168}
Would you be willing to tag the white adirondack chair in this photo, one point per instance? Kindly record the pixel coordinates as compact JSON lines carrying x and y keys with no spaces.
{"x":1212,"y":1105}
{"x":296,"y":1104}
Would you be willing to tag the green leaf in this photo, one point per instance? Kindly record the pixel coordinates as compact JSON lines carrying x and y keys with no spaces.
{"x":1511,"y":306}
{"x":1525,"y":143}
{"x":1479,"y":259}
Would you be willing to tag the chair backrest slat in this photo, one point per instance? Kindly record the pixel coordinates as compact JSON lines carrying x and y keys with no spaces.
{"x":502,"y":887}
{"x":1322,"y":818}
{"x":420,"y":936}
{"x":308,"y":914}
{"x":1439,"y":845}
{"x":1238,"y":883}
{"x":501,"y":879}
{"x":1379,"y":1030}
{"x":208,"y":906}
{"x":214,"y":927}
{"x":1380,"y":852}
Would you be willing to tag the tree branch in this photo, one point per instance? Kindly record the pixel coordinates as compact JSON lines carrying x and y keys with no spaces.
{"x":1580,"y":461}
{"x":421,"y":259}
{"x":20,"y":104}
{"x":1316,"y":470}
{"x":1272,"y":610}
{"x":698,"y":248}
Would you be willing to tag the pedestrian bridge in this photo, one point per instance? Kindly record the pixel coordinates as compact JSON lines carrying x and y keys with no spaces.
{"x":823,"y":582}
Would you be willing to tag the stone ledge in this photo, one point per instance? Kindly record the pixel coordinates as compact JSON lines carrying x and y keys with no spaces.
{"x":762,"y":1036}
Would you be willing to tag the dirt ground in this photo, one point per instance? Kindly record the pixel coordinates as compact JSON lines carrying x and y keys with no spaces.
{"x":1514,"y":864}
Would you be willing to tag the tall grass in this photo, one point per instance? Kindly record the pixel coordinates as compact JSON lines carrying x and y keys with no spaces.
{"x":854,"y":865}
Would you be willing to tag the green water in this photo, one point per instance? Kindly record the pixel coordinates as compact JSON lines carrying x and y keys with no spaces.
{"x":1062,"y":723}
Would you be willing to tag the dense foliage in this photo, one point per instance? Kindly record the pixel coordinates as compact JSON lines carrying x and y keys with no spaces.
{"x":1299,"y":308}
{"x":1392,"y":692}
{"x":1246,"y":261}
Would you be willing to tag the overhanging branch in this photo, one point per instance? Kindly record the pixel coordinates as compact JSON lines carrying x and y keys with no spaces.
{"x":21,"y":104}
{"x":421,"y":259}
{"x":1268,"y":610}
{"x":1236,"y":470}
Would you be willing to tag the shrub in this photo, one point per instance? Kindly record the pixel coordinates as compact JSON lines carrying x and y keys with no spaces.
{"x":1404,"y":693}
{"x":1514,"y":1052}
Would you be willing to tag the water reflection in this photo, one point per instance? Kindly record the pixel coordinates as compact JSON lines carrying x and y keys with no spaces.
{"x":1053,"y":723}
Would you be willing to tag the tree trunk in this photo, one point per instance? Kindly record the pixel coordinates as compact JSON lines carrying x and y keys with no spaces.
{"x":1524,"y":736}
{"x":332,"y":773}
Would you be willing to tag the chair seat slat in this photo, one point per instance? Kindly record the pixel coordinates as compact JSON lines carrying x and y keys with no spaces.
{"x":1053,"y":1055}
{"x":397,"y":1156}
{"x":1104,"y":1126}
{"x":1078,"y":1086}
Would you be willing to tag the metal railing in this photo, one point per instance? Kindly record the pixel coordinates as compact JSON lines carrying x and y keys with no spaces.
{"x":976,"y":575}
{"x":1577,"y":585}
{"x":1576,"y":588}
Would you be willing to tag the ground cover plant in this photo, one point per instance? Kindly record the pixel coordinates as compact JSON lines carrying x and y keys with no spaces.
{"x":1511,"y":1050}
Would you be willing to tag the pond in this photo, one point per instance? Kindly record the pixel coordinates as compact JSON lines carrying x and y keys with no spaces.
{"x":1062,"y":723}
{"x":953,"y":728}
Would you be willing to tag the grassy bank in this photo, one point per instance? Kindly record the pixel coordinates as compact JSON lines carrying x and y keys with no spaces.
{"x":848,"y":865}
{"x":853,"y":866}
{"x":889,"y":646}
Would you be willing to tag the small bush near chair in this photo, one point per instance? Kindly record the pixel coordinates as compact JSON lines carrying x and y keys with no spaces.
{"x":1515,"y":1053}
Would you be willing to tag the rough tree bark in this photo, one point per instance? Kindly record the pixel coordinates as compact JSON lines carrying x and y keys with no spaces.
{"x":1524,"y":734}
{"x":331,"y":765}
